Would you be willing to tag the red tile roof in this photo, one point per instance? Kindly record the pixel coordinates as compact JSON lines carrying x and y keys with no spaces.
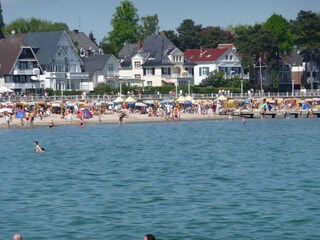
{"x":204,"y":54}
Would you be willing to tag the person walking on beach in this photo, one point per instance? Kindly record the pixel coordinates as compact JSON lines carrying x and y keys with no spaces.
{"x":17,"y":237}
{"x":149,"y":237}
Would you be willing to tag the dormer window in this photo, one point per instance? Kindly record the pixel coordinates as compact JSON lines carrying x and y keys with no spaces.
{"x":177,"y":58}
{"x":136,"y":64}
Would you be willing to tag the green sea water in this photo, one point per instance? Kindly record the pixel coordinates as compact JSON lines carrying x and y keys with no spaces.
{"x":185,"y":180}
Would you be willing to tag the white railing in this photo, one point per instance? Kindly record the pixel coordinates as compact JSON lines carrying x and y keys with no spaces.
{"x":297,"y":94}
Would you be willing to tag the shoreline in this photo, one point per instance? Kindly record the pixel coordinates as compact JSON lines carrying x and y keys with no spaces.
{"x":106,"y":119}
{"x":113,"y":119}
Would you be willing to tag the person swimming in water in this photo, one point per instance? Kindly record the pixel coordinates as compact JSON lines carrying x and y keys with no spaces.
{"x":38,"y":148}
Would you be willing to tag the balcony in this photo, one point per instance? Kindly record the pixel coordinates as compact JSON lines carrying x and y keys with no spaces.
{"x":23,"y":85}
{"x":180,"y":75}
{"x":112,"y":74}
{"x":34,"y":71}
{"x":77,"y":75}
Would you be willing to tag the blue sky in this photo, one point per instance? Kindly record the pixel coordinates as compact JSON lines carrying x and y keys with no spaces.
{"x":95,"y":15}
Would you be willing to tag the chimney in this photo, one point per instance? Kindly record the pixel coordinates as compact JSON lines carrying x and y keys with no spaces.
{"x":139,"y":45}
{"x":201,"y":50}
{"x":162,"y":33}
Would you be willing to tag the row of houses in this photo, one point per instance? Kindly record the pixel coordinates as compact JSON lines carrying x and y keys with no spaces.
{"x":32,"y":62}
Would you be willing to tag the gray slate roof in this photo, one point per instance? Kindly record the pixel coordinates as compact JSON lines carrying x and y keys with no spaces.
{"x":44,"y":44}
{"x":95,"y":62}
{"x":83,"y":41}
{"x":296,"y":59}
{"x":157,"y":47}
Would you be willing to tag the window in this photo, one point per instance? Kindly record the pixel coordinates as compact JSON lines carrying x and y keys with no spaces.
{"x":137,"y":76}
{"x":165,"y":71}
{"x":23,"y":65}
{"x":110,"y":67}
{"x":70,"y":86}
{"x":226,"y":57}
{"x":230,"y":57}
{"x":137,"y":64}
{"x":204,"y":71}
{"x":149,"y":83}
{"x":177,"y":58}
{"x":189,"y":70}
{"x":150,"y":71}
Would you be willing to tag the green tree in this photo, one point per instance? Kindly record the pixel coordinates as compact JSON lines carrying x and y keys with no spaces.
{"x":107,"y":47}
{"x":188,"y":34}
{"x":173,"y":37}
{"x":102,"y":88}
{"x":149,"y":25}
{"x":1,"y":23}
{"x":214,"y":79}
{"x":252,"y":43}
{"x":125,"y":26}
{"x":210,"y":37}
{"x":21,"y":25}
{"x":92,"y":38}
{"x":306,"y":29}
{"x":281,"y":30}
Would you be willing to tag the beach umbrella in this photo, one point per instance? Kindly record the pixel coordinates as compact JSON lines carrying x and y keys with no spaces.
{"x":181,"y":99}
{"x":5,"y":90}
{"x":222,"y":98}
{"x":130,"y":100}
{"x":9,"y":110}
{"x":189,"y":98}
{"x":166,"y":101}
{"x":118,"y":100}
{"x":141,"y":104}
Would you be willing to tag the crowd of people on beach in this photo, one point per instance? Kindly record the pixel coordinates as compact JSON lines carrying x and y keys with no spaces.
{"x":170,"y":109}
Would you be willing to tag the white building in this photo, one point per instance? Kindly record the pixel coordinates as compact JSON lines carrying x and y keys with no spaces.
{"x":220,"y":59}
{"x":155,"y":61}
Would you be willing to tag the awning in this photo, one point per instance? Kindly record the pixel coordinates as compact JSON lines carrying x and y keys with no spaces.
{"x":167,"y":81}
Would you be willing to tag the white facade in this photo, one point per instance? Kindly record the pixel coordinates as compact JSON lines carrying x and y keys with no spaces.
{"x":228,"y":62}
{"x":174,"y":72}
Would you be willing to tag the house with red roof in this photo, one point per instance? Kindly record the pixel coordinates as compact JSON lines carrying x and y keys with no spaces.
{"x":220,"y":59}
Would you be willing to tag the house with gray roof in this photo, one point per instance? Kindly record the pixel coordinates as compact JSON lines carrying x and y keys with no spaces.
{"x":102,"y":69}
{"x":19,"y":66}
{"x":59,"y":60}
{"x":84,"y":45}
{"x":155,"y":61}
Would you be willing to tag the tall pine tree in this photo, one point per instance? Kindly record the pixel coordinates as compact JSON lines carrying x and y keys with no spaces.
{"x":1,"y":23}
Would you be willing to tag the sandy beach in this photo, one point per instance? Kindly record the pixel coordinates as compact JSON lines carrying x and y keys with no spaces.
{"x":106,"y":119}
